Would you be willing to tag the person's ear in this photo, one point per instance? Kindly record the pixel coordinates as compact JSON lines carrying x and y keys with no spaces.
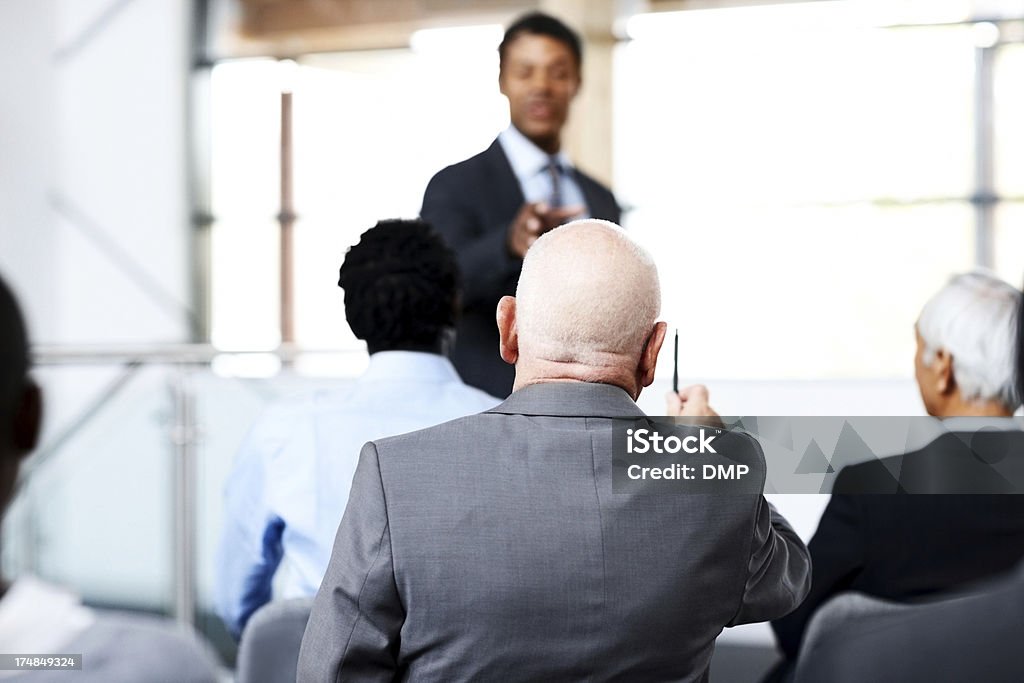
{"x":649,"y":356}
{"x":28,"y":418}
{"x":942,"y":367}
{"x":508,"y":344}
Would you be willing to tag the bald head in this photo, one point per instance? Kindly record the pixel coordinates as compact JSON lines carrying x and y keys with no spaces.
{"x":588,"y":299}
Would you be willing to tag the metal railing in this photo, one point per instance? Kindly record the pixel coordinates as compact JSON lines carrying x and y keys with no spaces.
{"x":183,"y":434}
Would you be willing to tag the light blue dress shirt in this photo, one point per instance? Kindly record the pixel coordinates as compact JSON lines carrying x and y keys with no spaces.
{"x":530,"y":165}
{"x":287,"y":492}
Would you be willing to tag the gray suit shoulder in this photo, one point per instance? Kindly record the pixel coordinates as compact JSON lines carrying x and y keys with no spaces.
{"x":442,"y":435}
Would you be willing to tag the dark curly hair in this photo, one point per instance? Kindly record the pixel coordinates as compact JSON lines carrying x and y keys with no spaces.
{"x":401,"y":285}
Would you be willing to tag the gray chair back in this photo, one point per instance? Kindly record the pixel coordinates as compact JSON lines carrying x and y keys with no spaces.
{"x":269,"y":650}
{"x":842,"y":610}
{"x":973,"y":635}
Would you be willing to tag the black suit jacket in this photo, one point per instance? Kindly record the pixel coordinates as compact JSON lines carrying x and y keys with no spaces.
{"x":471,"y":204}
{"x":901,"y":547}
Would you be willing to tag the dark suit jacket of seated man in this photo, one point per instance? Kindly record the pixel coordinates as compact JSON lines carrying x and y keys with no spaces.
{"x":492,"y":548}
{"x":904,"y":547}
{"x":483,"y":206}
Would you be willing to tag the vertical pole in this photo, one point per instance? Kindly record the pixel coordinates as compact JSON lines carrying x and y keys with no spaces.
{"x":287,"y":221}
{"x":984,"y":198}
{"x":183,"y":436}
{"x":198,"y":135}
{"x":588,"y":137}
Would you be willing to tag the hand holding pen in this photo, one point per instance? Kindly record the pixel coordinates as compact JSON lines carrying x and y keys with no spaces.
{"x":691,"y":401}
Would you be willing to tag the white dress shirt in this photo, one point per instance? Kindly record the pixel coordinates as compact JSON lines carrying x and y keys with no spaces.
{"x":287,"y":492}
{"x":37,"y":618}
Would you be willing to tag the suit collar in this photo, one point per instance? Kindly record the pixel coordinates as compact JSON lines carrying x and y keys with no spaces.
{"x":505,"y":177}
{"x":526,"y":158}
{"x":570,"y":399}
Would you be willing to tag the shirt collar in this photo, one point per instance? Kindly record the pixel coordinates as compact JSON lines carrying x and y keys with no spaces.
{"x":570,"y":399}
{"x":974,"y":424}
{"x":922,"y":431}
{"x":526,"y":158}
{"x":410,"y":366}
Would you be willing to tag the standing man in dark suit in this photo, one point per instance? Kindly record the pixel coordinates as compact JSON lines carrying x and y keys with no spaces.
{"x":492,"y":207}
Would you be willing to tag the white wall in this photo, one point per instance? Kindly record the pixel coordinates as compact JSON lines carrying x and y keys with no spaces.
{"x":94,"y":238}
{"x":92,"y":120}
{"x":26,"y":162}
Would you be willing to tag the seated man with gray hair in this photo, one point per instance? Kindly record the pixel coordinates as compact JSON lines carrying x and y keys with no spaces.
{"x":965,"y":347}
{"x":493,"y":547}
{"x":975,"y":637}
{"x":901,"y":547}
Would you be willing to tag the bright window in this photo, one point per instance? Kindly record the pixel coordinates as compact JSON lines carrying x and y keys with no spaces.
{"x":804,"y":181}
{"x":369,"y":130}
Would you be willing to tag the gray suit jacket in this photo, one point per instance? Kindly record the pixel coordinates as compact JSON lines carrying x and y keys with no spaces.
{"x":492,"y":548}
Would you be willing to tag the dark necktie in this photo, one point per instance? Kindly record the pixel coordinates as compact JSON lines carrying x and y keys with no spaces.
{"x":555,"y":170}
